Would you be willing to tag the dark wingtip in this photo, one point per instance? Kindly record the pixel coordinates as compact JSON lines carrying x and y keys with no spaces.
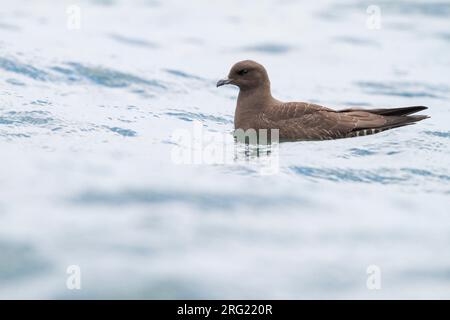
{"x":404,"y":111}
{"x":412,"y":109}
{"x":419,"y":108}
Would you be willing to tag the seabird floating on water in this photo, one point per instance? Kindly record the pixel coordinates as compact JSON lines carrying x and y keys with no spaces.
{"x":257,"y":109}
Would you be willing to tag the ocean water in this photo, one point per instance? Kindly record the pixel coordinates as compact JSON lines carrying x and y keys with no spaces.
{"x":93,"y":94}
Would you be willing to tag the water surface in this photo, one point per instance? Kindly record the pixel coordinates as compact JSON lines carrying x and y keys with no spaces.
{"x":87,"y":174}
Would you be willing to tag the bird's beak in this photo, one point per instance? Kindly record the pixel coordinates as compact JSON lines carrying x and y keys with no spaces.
{"x":223,"y":82}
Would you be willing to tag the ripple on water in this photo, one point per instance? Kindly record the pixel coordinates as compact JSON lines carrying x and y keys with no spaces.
{"x":372,"y":150}
{"x":103,"y":76}
{"x":440,"y":134}
{"x":348,"y":175}
{"x":183,"y":74}
{"x":123,"y":132}
{"x":269,"y":48}
{"x":426,"y":173}
{"x":104,"y":2}
{"x":191,"y":116}
{"x":382,"y":175}
{"x":15,"y":82}
{"x":438,"y":9}
{"x":40,"y":102}
{"x":74,"y":72}
{"x":133,"y":41}
{"x":443,"y":36}
{"x":357,"y":41}
{"x":429,"y":8}
{"x":9,"y":27}
{"x":205,"y":200}
{"x":361,"y":152}
{"x":23,"y":69}
{"x":403,"y":89}
{"x":34,"y":118}
{"x":18,"y":260}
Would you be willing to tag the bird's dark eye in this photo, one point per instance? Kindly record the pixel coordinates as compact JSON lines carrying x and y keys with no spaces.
{"x":242,"y":72}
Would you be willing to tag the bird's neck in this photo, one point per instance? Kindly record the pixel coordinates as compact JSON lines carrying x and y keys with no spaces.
{"x":250,"y":103}
{"x":255,"y":98}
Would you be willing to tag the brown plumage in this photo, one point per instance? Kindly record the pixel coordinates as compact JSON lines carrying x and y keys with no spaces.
{"x":257,"y":109}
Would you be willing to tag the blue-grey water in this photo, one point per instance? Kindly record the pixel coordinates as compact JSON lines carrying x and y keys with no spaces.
{"x":88,"y":175}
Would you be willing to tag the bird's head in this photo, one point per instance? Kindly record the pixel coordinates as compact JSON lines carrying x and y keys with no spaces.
{"x":246,"y":75}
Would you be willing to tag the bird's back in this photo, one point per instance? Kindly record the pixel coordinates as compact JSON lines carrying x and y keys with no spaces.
{"x":305,"y":121}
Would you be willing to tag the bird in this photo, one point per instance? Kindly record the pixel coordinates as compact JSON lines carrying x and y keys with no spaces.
{"x":257,"y":109}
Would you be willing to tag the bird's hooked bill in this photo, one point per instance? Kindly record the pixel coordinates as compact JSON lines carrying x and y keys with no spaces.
{"x":222,"y":82}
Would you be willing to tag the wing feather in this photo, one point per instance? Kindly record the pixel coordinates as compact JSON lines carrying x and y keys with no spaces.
{"x":306,"y":121}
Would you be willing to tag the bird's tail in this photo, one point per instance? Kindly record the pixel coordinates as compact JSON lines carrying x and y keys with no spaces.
{"x":400,"y":121}
{"x":399,"y":111}
{"x":405,"y":111}
{"x":393,"y":118}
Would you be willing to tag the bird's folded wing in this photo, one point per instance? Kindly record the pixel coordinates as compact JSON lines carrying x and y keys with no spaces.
{"x":324,"y":124}
{"x":291,"y":110}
